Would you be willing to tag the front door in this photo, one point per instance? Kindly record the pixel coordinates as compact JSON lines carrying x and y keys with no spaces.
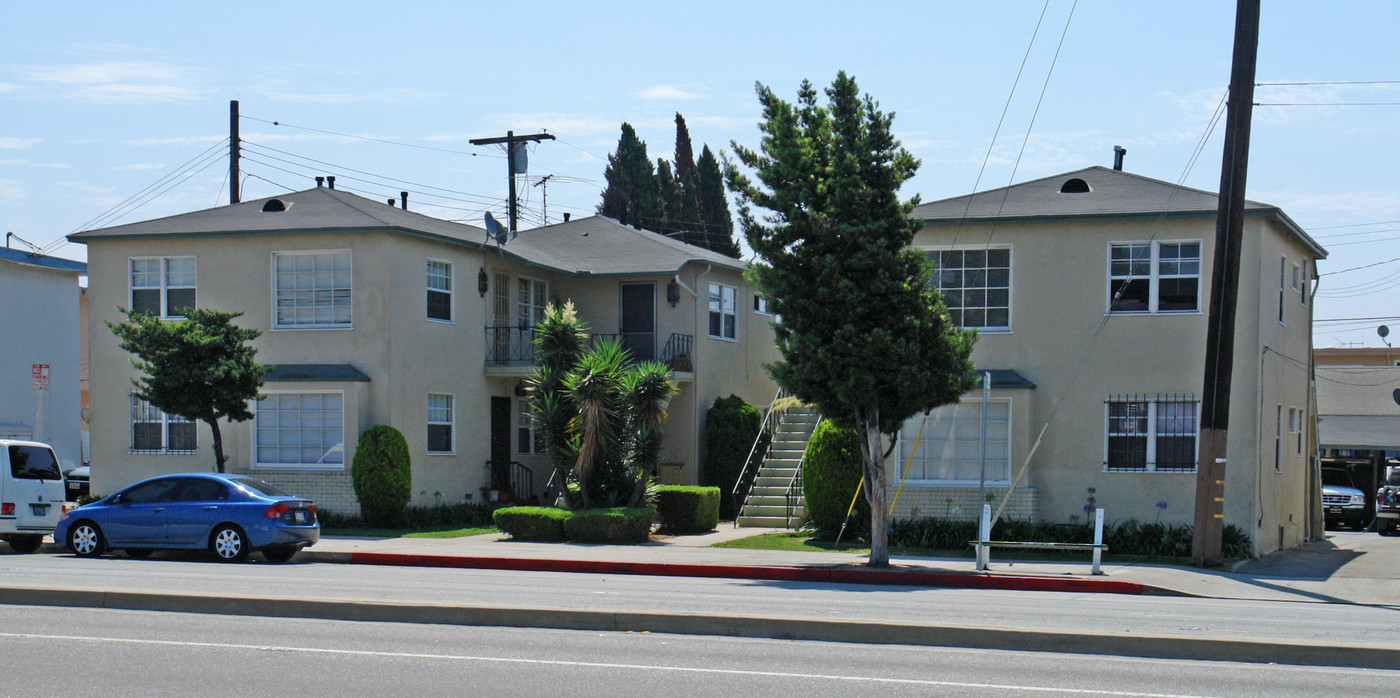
{"x":500,"y":443}
{"x":639,"y":320}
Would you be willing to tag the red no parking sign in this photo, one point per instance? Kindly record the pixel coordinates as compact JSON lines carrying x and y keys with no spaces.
{"x":39,"y":379}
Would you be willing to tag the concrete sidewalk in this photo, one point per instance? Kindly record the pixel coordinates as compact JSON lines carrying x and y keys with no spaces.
{"x":1339,"y":570}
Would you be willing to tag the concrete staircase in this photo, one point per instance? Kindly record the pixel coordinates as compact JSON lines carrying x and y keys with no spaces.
{"x":767,"y":505}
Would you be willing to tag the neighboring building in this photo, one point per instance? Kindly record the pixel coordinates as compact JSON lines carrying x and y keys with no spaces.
{"x":1089,"y":291}
{"x":1358,"y":411}
{"x":39,"y":328}
{"x":372,"y":314}
{"x":1356,"y":357}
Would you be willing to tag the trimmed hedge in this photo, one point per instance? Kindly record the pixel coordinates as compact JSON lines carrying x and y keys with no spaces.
{"x":731,"y":426}
{"x":615,"y":525}
{"x":1129,"y":537}
{"x":382,"y":475}
{"x":831,"y":471}
{"x":685,"y":509}
{"x":545,"y":524}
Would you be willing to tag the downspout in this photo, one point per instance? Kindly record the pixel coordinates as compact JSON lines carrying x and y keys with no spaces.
{"x":695,"y":384}
{"x":1316,"y":525}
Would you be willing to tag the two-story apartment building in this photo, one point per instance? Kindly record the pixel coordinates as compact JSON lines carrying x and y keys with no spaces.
{"x":373,"y":314}
{"x":1089,"y":291}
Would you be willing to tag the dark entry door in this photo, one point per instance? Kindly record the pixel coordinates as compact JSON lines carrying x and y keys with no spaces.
{"x":500,"y":443}
{"x":639,"y":320}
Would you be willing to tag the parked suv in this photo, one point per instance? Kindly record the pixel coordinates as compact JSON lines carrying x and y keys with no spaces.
{"x":1342,"y":503}
{"x":1388,"y":503}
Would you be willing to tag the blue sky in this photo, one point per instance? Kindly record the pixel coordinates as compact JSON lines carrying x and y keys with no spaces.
{"x":100,"y":101}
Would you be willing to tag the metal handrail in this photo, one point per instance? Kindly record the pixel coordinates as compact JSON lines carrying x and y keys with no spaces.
{"x":676,"y":353}
{"x":769,"y":425}
{"x":521,"y":480}
{"x":794,"y":490}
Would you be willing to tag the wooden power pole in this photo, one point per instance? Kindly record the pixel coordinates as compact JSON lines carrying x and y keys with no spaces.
{"x":1209,"y":522}
{"x":233,"y":176}
{"x":512,"y":167}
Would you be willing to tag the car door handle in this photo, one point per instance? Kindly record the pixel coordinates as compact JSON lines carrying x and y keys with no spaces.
{"x":211,"y":507}
{"x":158,"y":509}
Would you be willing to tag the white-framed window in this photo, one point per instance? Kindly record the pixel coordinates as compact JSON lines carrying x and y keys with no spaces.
{"x":154,"y":431}
{"x":440,"y":423}
{"x":1295,"y":428}
{"x":162,"y":286}
{"x":439,"y":283}
{"x":304,"y":431}
{"x":976,"y":286}
{"x":723,"y":320}
{"x":760,"y":304}
{"x":947,"y":448}
{"x":312,"y":290}
{"x":1282,"y":287}
{"x":1300,"y":283}
{"x":1151,"y":434}
{"x":529,"y":437}
{"x":531,"y":298}
{"x":1278,"y":440}
{"x":1154,"y":277}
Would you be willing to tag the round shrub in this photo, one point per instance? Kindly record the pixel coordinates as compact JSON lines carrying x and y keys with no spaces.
{"x":831,"y":471}
{"x":382,"y":474}
{"x":544,"y":524}
{"x":615,"y":525}
{"x":684,"y":509}
{"x":731,"y":425}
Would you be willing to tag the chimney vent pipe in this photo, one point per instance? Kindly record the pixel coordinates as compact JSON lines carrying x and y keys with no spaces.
{"x":320,"y":181}
{"x":1118,"y":153}
{"x":391,"y":203}
{"x":403,"y":196}
{"x":330,"y":181}
{"x":566,"y":217}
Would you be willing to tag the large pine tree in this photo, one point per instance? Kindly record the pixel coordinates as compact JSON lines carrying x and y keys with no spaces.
{"x":714,"y":206}
{"x":630,"y":195}
{"x":685,"y":201}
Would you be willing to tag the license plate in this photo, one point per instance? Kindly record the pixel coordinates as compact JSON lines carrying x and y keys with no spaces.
{"x":299,"y":517}
{"x":39,"y":509}
{"x":1334,"y":510}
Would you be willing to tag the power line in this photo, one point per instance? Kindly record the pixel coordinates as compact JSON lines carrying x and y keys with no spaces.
{"x":1364,"y":266}
{"x":472,"y":198}
{"x":1338,"y":82}
{"x":1327,"y":104}
{"x":362,"y":138}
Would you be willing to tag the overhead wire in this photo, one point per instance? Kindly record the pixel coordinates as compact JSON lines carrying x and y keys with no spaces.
{"x":362,"y":138}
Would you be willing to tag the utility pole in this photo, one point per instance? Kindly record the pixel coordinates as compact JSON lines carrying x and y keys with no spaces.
{"x":512,"y":141}
{"x":1209,"y":522}
{"x":543,"y":184}
{"x":233,"y":196}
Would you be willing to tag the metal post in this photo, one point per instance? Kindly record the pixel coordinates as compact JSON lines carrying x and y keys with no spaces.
{"x":1098,"y":539}
{"x":233,"y":153}
{"x":982,"y":479}
{"x":984,"y":534}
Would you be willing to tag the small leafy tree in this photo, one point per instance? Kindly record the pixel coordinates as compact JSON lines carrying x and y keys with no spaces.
{"x":731,"y":427}
{"x":864,"y":335}
{"x":831,"y":471}
{"x":200,"y":368}
{"x":382,"y":474}
{"x":600,"y":413}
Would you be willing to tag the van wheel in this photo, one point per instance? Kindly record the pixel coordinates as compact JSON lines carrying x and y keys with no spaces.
{"x":281,"y":553}
{"x":26,"y":544}
{"x":85,"y":539}
{"x":229,"y":543}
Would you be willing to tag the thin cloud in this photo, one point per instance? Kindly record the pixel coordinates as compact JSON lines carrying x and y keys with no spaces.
{"x":10,"y":190}
{"x":667,"y":92}
{"x":115,"y":82}
{"x":11,"y":143}
{"x":141,"y":166}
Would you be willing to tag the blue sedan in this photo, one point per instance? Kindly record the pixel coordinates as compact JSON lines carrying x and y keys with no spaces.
{"x":231,"y":515}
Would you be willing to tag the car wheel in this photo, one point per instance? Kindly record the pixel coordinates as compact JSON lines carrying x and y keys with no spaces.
{"x":26,"y":544}
{"x":229,"y":543}
{"x":281,"y":553}
{"x":139,"y":553}
{"x":85,"y":539}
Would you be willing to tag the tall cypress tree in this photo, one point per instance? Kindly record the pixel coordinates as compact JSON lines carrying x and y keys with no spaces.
{"x":630,"y":195}
{"x":714,"y":206}
{"x":685,"y":201}
{"x":671,"y":216}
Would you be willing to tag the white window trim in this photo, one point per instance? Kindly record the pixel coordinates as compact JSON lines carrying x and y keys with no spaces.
{"x":164,"y":288}
{"x":760,"y":305}
{"x":1282,"y":290}
{"x":1295,"y":428}
{"x":735,"y":314}
{"x":452,"y":424}
{"x":451,"y":291}
{"x":276,"y":327}
{"x":531,"y":426}
{"x":344,"y":434}
{"x":1303,"y":279}
{"x":1151,"y":453}
{"x":516,"y":310}
{"x":1278,"y":440}
{"x":1153,"y":279}
{"x":165,"y":449}
{"x":1010,"y":282}
{"x":1010,"y":443}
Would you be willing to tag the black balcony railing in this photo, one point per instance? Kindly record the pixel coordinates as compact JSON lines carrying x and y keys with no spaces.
{"x":514,"y":346}
{"x":510,"y":346}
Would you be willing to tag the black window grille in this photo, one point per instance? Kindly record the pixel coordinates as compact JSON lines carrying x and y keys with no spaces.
{"x":1151,"y":433}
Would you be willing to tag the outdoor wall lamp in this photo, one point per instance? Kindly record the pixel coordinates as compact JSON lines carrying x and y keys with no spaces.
{"x":673,"y":293}
{"x":482,"y":282}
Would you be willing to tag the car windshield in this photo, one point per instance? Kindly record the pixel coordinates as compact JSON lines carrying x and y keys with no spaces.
{"x":1335,"y":477}
{"x":260,"y":487}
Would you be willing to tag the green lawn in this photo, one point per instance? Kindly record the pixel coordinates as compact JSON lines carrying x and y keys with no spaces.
{"x":407,"y":533}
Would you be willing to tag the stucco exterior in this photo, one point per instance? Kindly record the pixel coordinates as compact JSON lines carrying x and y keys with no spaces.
{"x":1080,"y":355}
{"x":391,"y":355}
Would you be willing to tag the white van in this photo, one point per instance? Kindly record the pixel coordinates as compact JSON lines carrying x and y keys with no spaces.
{"x":31,"y":493}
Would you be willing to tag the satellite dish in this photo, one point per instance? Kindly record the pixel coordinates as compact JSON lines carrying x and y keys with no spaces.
{"x":1396,"y":396}
{"x":494,"y":230}
{"x":1383,"y":331}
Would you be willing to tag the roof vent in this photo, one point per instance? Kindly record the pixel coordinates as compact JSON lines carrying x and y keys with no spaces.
{"x":1074,"y":186}
{"x":274,"y":206}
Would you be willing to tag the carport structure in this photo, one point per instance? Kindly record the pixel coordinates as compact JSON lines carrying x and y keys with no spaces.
{"x":1358,"y":409}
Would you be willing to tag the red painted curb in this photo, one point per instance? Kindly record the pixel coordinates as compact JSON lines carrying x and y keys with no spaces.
{"x":959,"y":580}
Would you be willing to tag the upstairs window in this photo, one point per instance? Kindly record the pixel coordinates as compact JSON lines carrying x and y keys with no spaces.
{"x":531,"y":300}
{"x":163,"y":286}
{"x":1160,"y":277}
{"x":313,"y":290}
{"x":723,"y":321}
{"x":439,"y":291}
{"x":976,"y":286}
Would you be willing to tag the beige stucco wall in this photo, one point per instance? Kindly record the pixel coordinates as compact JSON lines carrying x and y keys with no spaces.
{"x":1063,"y":340}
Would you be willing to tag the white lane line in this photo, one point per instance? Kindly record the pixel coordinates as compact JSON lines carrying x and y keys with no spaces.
{"x":592,"y":665}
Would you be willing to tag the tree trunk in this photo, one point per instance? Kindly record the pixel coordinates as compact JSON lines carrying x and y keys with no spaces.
{"x":868,"y":420}
{"x":219,"y":457}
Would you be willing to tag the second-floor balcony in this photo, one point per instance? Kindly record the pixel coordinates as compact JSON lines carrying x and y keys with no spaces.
{"x":511,"y":350}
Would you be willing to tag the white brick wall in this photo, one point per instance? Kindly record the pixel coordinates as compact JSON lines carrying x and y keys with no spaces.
{"x":331,"y":490}
{"x":959,"y":503}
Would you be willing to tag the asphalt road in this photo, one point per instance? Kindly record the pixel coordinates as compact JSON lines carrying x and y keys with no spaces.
{"x":62,"y":652}
{"x":1098,"y":613}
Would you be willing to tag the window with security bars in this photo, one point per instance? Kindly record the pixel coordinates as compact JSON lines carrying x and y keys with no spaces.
{"x":976,"y":286}
{"x":440,"y":420}
{"x":154,"y":431}
{"x":313,"y":289}
{"x":531,"y":300}
{"x":1151,"y":434}
{"x":439,"y":290}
